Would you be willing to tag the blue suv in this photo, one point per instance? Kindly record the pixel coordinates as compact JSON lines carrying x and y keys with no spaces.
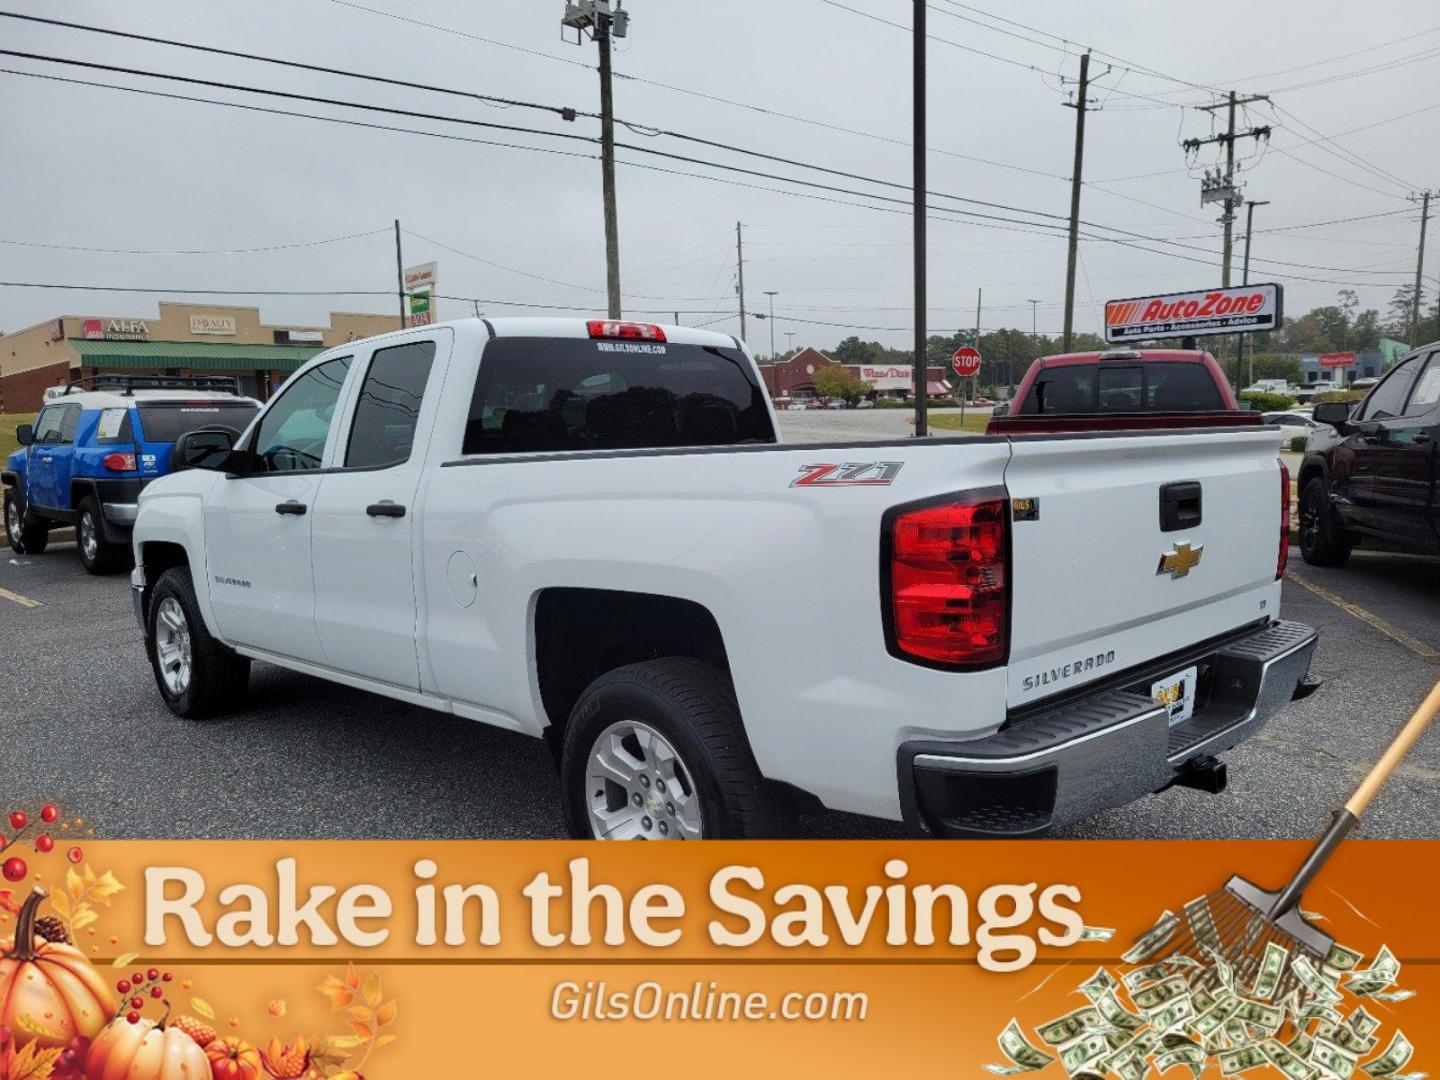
{"x":90,"y":451}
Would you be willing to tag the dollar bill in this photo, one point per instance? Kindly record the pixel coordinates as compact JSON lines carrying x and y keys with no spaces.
{"x":1391,"y":996}
{"x":1396,"y":1056}
{"x":1313,"y":981}
{"x":1023,"y":1056}
{"x":1332,"y":1059}
{"x":1173,"y":1015}
{"x":1223,"y":971}
{"x":1115,"y":1014}
{"x":1153,"y":940}
{"x":1149,"y":973}
{"x":1345,"y":1037}
{"x":1241,"y":1059}
{"x":1302,"y":1044}
{"x":1317,"y":1010}
{"x":1361,"y":1022}
{"x":1191,"y":1056}
{"x":1102,"y":982}
{"x":1069,"y":1027}
{"x":1213,"y":1018}
{"x":1083,"y":1052}
{"x":1267,"y":1017}
{"x":1272,"y":966}
{"x":1162,"y":993}
{"x":1287,"y":1061}
{"x":1342,"y":959}
{"x":1097,"y":933}
{"x":1381,"y":973}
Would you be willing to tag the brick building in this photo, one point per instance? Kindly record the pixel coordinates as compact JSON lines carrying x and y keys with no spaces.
{"x":185,"y":339}
{"x":795,"y":376}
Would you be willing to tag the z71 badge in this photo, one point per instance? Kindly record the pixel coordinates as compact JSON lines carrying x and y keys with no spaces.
{"x":850,"y":474}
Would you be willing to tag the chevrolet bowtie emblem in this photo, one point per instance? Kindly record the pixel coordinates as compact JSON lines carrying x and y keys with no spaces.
{"x":1181,"y":561}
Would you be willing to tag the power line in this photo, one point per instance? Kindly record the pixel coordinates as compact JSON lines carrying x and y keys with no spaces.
{"x":193,"y":251}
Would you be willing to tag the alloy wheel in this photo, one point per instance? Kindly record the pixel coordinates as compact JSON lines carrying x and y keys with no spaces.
{"x":172,"y":645}
{"x":640,"y":788}
{"x":89,"y":540}
{"x":12,"y":522}
{"x":1309,"y":523}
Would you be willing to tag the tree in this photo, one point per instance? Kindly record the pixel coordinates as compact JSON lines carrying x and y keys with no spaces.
{"x":835,"y":381}
{"x":854,"y":351}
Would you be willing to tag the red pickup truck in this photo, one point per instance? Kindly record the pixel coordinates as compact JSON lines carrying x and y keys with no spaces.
{"x":1122,"y":389}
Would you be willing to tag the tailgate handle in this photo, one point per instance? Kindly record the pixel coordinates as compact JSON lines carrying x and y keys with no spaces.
{"x":1179,"y":505}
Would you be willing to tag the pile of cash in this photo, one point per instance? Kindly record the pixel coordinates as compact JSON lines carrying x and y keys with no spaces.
{"x":1197,"y":1011}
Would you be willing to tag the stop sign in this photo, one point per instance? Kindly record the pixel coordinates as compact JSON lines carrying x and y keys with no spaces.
{"x":966,"y":361}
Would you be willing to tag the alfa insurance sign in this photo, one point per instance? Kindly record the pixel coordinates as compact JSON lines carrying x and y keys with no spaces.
{"x":1238,"y":310}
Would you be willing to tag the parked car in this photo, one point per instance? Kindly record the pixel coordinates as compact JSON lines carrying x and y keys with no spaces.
{"x":864,"y":403}
{"x":975,"y":637}
{"x":1377,"y":478}
{"x":1122,"y":389}
{"x":90,"y":452}
{"x":1293,"y":425}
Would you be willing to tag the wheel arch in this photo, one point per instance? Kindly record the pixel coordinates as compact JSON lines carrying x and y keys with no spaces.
{"x":1312,"y":466}
{"x":154,"y":557}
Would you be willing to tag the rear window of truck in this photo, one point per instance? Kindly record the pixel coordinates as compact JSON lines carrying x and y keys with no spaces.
{"x":165,"y":422}
{"x":541,"y":394}
{"x":1068,"y":389}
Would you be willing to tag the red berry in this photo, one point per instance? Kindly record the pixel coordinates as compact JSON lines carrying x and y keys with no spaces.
{"x":156,"y":992}
{"x":123,"y":986}
{"x":75,"y":854}
{"x":137,"y":1003}
{"x":44,"y":843}
{"x":138,"y":978}
{"x":49,"y":812}
{"x":15,"y":869}
{"x":166,"y":977}
{"x":19,"y":819}
{"x":133,"y":1017}
{"x":152,"y":974}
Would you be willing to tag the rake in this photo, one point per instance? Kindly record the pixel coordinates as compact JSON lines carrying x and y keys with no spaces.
{"x":1240,"y":920}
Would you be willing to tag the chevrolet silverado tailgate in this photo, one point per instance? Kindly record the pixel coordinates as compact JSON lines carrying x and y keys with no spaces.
{"x":1136,"y":546}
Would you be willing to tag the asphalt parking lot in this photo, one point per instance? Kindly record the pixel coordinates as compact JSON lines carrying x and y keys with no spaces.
{"x":81,"y":723}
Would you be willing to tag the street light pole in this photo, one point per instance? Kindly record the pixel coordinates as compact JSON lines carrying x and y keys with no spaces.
{"x":789,"y":341}
{"x":918,"y":143}
{"x":1245,"y":276}
{"x":772,"y":293}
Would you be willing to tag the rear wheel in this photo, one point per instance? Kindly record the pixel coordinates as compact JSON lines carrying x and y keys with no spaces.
{"x":656,"y":751}
{"x":1322,"y":541}
{"x":196,"y":675}
{"x":97,"y":554}
{"x":26,"y":535}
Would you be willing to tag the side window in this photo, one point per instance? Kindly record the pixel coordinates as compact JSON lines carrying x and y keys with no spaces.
{"x":48,"y":424}
{"x":1388,"y":399}
{"x":388,"y":409}
{"x":1068,"y":388}
{"x":1181,"y":387}
{"x":292,"y":434}
{"x":69,"y":423}
{"x":114,"y":427}
{"x":1427,"y":388}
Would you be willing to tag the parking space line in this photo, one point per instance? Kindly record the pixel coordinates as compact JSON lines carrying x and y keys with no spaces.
{"x":23,"y":601}
{"x":1414,"y":644}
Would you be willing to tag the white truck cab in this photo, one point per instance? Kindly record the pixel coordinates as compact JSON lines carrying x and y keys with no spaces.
{"x":590,"y":532}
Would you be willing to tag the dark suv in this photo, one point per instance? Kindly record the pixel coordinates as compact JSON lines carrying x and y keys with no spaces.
{"x":1378,"y":478}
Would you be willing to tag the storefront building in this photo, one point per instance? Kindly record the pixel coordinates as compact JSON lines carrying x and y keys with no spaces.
{"x":185,"y":339}
{"x":795,"y":377}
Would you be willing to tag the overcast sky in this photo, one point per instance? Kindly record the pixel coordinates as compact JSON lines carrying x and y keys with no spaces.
{"x":101,"y":168}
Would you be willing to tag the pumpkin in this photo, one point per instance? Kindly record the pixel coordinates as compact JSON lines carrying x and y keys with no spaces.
{"x":49,"y":993}
{"x":145,"y":1051}
{"x":233,"y":1059}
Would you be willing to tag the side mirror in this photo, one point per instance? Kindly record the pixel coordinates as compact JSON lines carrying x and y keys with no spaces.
{"x":25,"y":434}
{"x":206,"y":448}
{"x":1002,"y":409}
{"x":1334,"y":413}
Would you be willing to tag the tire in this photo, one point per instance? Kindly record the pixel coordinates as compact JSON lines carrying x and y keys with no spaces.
{"x":711,"y":787}
{"x":175,"y":635}
{"x":97,"y":554}
{"x":1322,"y":541}
{"x":26,"y":535}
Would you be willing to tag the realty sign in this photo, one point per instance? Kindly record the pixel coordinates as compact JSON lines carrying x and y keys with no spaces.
{"x":1241,"y":310}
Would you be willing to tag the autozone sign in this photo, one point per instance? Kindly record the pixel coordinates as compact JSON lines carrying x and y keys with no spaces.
{"x":1246,"y":309}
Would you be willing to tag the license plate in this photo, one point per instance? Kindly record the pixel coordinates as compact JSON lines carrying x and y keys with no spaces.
{"x":1177,"y":693}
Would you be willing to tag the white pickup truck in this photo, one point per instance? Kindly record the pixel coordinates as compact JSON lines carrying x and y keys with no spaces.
{"x":590,"y":532}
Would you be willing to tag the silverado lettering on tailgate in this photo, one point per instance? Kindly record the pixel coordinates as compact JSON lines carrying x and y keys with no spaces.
{"x":1067,"y":671}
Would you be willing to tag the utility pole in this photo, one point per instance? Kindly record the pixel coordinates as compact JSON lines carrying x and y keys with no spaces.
{"x":1424,"y":198}
{"x":1245,"y":277}
{"x":920,"y":372}
{"x":1034,"y":333}
{"x":789,"y":341}
{"x":1221,"y":187}
{"x":772,"y":293}
{"x":1081,"y":105}
{"x":399,"y":274}
{"x":740,"y":283}
{"x":596,"y":18}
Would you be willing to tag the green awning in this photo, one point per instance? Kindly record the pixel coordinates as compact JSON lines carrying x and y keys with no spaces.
{"x":195,"y":355}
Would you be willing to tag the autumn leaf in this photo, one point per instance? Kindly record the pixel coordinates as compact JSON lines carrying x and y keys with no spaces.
{"x":339,"y":994}
{"x":7,"y":902}
{"x":33,"y":1063}
{"x":352,"y":977}
{"x":344,"y":1042}
{"x":60,"y":902}
{"x":203,"y":1007}
{"x":73,"y":884}
{"x":372,"y":989}
{"x":83,"y":917}
{"x":277,"y":1008}
{"x":35,"y":1027}
{"x":384,"y":1040}
{"x":365,"y":1031}
{"x":105,"y":887}
{"x":386,"y":1013}
{"x":124,"y":959}
{"x":361,"y":1013}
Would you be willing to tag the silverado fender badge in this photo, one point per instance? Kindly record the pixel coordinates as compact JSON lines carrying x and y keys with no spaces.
{"x":1181,"y":561}
{"x":850,"y":474}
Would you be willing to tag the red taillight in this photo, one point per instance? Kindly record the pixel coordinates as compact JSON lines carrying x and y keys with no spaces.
{"x":627,"y":331}
{"x":119,"y":462}
{"x":949,"y":596}
{"x":1284,"y":556}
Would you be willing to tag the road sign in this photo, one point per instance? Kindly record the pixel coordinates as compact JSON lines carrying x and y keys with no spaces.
{"x":966,"y":361}
{"x":420,"y":311}
{"x":1240,"y":310}
{"x":1337,"y":359}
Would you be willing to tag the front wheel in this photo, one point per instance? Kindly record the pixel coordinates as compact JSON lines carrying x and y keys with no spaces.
{"x":1322,"y":541}
{"x":97,"y":554}
{"x":197,"y":675}
{"x":656,"y":751}
{"x":26,"y":535}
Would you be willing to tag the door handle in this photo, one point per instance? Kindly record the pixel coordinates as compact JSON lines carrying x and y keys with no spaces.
{"x":46,"y":460}
{"x":385,"y":508}
{"x":1421,"y":437}
{"x":291,"y":507}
